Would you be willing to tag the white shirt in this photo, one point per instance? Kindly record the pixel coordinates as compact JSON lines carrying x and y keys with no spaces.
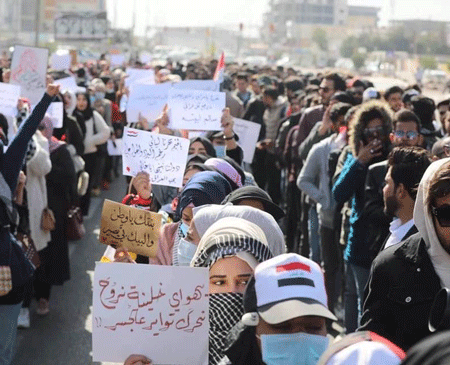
{"x":398,"y":231}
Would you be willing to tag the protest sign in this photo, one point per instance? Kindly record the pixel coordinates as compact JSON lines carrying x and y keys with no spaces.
{"x":153,"y":310}
{"x":196,"y":110}
{"x":29,"y":70}
{"x":205,"y":85}
{"x":9,"y":96}
{"x":117,"y":59}
{"x":114,"y":147}
{"x":69,"y":83}
{"x":147,"y":100}
{"x":248,"y":133}
{"x":137,"y":74}
{"x":60,"y":62}
{"x":56,"y":113}
{"x":163,"y":157}
{"x":133,"y":228}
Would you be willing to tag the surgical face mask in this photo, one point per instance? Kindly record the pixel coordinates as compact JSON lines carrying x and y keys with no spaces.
{"x":110,"y":91}
{"x":184,"y":228}
{"x":99,"y":95}
{"x":186,"y":251}
{"x":220,"y":151}
{"x":92,"y":99}
{"x":293,"y":348}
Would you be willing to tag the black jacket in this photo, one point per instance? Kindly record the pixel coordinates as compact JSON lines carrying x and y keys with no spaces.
{"x":400,"y":293}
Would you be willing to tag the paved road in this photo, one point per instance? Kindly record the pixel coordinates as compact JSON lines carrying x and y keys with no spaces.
{"x":64,"y":336}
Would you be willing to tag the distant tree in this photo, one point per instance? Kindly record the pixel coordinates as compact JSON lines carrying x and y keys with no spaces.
{"x":428,"y":62}
{"x":349,"y":46}
{"x":359,"y":60}
{"x":319,"y":36}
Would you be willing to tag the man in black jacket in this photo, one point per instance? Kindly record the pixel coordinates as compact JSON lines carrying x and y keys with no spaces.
{"x":406,"y":277}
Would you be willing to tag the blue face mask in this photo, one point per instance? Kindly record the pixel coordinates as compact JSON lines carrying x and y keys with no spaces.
{"x":186,"y":251}
{"x":184,"y":229}
{"x":92,"y":99}
{"x":220,"y":151}
{"x":293,"y":348}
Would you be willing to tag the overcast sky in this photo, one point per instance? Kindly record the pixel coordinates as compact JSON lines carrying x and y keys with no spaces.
{"x":249,"y":12}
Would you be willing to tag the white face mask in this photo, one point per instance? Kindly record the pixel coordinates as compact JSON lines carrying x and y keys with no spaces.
{"x":186,"y":251}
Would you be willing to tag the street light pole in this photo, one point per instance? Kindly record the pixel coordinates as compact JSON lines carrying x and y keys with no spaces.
{"x":38,"y":22}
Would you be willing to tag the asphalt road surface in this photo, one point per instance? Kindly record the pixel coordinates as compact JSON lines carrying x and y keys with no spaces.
{"x":63,"y":337}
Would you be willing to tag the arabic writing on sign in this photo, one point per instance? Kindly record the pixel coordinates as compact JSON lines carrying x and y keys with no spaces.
{"x":157,"y":306}
{"x":28,"y":69}
{"x":248,"y":133}
{"x":163,"y":157}
{"x":9,"y":95}
{"x":133,"y":228}
{"x":196,"y":110}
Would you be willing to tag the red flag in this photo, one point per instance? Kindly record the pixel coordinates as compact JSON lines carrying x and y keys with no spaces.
{"x":218,"y":75}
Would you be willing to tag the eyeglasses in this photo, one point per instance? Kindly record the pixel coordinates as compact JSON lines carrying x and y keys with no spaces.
{"x":369,"y":132}
{"x":442,"y":215}
{"x":409,"y":135}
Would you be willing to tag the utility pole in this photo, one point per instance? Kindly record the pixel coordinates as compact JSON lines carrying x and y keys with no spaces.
{"x":38,"y":22}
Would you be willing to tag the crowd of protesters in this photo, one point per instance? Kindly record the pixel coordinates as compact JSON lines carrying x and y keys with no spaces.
{"x":348,"y":196}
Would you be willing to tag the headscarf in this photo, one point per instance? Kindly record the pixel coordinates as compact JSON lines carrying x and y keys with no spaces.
{"x":206,"y":187}
{"x":86,"y":114}
{"x":73,"y":102}
{"x":424,"y":223}
{"x":434,"y":350}
{"x":229,"y":237}
{"x":224,"y":167}
{"x":47,"y":132}
{"x":210,"y":151}
{"x":206,"y":215}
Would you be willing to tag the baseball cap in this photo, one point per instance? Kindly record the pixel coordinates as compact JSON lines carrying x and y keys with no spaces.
{"x":371,"y":93}
{"x":290,"y":286}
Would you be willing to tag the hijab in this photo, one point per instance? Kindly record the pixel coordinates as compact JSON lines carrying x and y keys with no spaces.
{"x":47,"y":132}
{"x":206,"y":187}
{"x":226,"y":168}
{"x":86,"y":114}
{"x":210,"y":151}
{"x":73,"y":102}
{"x":205,"y":216}
{"x":424,"y":222}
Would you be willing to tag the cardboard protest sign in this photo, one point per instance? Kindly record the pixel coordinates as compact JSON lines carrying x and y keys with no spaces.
{"x":248,"y":133}
{"x":69,"y":83}
{"x":133,"y":228}
{"x":153,"y":310}
{"x":146,"y":100}
{"x":56,"y":113}
{"x":60,"y":61}
{"x":9,"y":96}
{"x":114,"y":147}
{"x":195,"y":110}
{"x":205,"y":85}
{"x":163,"y":157}
{"x":137,"y":74}
{"x":29,"y":70}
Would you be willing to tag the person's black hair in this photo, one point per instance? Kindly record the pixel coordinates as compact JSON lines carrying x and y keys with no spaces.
{"x":344,"y":97}
{"x":210,"y":151}
{"x":338,"y":110}
{"x":294,"y":83}
{"x":360,"y":83}
{"x":242,"y":76}
{"x":314,"y":81}
{"x":338,"y":81}
{"x":424,"y":108}
{"x":271,"y":92}
{"x":392,"y":90}
{"x":445,"y":102}
{"x":408,"y":166}
{"x":405,"y":116}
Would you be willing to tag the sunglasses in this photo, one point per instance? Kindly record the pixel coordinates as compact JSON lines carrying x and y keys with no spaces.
{"x":369,"y":132}
{"x":409,"y":135}
{"x":442,"y":215}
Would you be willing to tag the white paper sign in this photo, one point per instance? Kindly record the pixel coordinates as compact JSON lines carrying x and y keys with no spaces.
{"x":114,"y":147}
{"x":60,"y":61}
{"x":248,"y":133}
{"x":69,"y":83}
{"x":136,"y":74}
{"x":9,"y":96}
{"x":205,"y":85}
{"x":153,"y":310}
{"x":196,"y":110}
{"x":55,"y":111}
{"x":148,"y":100}
{"x":29,"y":70}
{"x":163,"y":157}
{"x":117,"y":59}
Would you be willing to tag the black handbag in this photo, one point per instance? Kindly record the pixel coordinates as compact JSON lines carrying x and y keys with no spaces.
{"x":75,"y":226}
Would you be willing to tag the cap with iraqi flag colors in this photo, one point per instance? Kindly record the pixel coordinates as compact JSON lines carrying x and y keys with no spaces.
{"x":289,"y":286}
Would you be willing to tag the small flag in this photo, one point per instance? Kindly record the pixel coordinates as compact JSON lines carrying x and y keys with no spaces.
{"x":218,"y":75}
{"x":293,"y":266}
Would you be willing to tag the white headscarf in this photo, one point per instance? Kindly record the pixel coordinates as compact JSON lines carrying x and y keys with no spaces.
{"x":425,"y":225}
{"x":206,"y":215}
{"x":229,"y":237}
